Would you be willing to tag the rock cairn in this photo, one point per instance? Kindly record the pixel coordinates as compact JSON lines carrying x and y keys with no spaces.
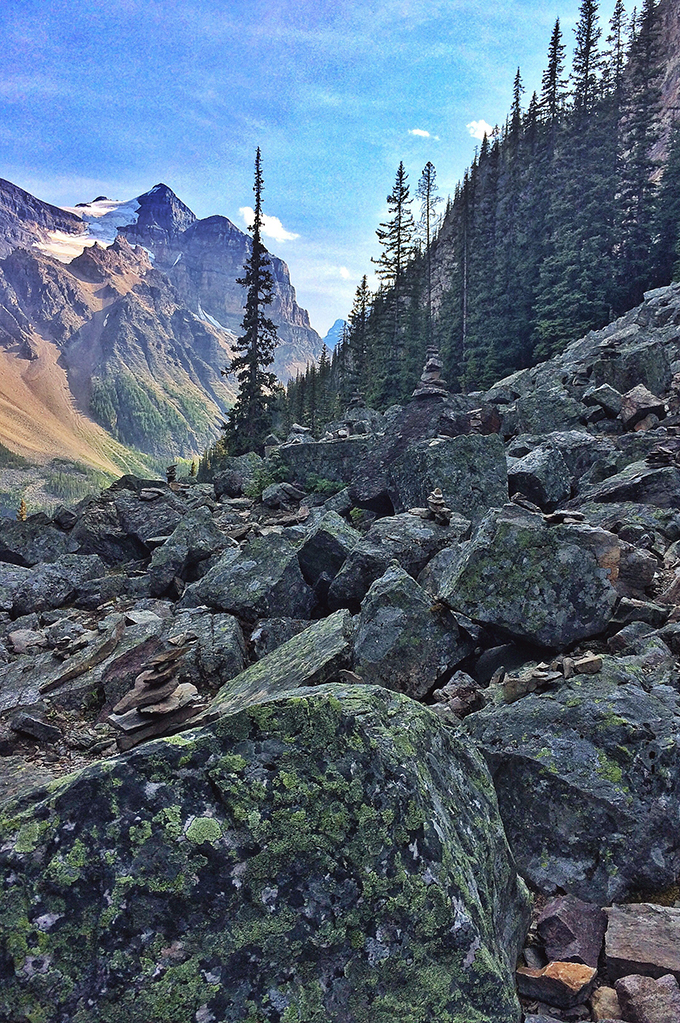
{"x":357,"y":399}
{"x":431,"y":384}
{"x":157,"y":704}
{"x":437,"y":509}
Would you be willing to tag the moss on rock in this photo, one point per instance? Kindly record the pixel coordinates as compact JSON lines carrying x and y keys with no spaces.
{"x":288,"y":862}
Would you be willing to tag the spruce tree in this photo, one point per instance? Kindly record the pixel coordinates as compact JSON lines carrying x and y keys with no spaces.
{"x":396,"y":237}
{"x":429,"y":200}
{"x":553,"y":88}
{"x":251,"y":417}
{"x":587,"y":60}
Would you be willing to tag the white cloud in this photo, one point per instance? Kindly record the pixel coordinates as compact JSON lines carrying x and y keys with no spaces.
{"x":271,"y":226}
{"x":344,"y":273}
{"x":422,"y":134}
{"x":478,"y":129}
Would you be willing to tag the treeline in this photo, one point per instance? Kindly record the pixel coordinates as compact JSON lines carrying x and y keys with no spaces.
{"x":561,"y":224}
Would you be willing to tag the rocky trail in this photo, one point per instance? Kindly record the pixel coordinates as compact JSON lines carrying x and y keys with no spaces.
{"x":405,"y":752}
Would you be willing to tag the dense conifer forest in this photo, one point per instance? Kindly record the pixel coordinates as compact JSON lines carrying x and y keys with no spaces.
{"x":563,"y":221}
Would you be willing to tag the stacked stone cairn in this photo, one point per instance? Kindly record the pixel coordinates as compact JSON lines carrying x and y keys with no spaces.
{"x":437,"y":508}
{"x":431,"y":384}
{"x":157,"y":704}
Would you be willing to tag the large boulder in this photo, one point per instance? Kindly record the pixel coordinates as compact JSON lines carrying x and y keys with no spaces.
{"x":236,"y":473}
{"x":638,"y":482}
{"x":548,"y":409}
{"x":326,"y":547}
{"x":56,"y":583}
{"x":193,"y":541}
{"x":118,"y":524}
{"x":470,"y":471}
{"x":408,"y":539}
{"x":542,"y":476}
{"x":287,"y":862}
{"x":12,"y":579}
{"x":34,"y":540}
{"x":549,"y":584}
{"x":403,"y":641}
{"x":335,"y":460}
{"x":262,"y":579}
{"x":310,"y":658}
{"x":587,"y":777}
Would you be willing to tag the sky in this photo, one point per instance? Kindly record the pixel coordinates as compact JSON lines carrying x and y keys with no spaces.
{"x":110,"y":98}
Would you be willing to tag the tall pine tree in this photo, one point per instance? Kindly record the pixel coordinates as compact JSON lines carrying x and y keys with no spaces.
{"x":250,"y":418}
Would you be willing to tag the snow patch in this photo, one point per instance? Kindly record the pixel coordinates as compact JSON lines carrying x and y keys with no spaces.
{"x":207,"y":318}
{"x":102,"y":218}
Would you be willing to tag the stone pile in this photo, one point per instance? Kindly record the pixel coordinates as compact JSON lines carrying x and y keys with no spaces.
{"x":157,"y":704}
{"x":431,"y":384}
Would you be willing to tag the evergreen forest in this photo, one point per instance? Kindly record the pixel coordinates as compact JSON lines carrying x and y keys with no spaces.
{"x":568,"y":214}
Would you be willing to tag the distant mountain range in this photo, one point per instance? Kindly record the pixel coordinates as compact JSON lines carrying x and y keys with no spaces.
{"x":117,"y":319}
{"x":334,"y":335}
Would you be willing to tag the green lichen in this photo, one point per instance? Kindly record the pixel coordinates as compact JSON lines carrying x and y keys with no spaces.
{"x":204,"y":829}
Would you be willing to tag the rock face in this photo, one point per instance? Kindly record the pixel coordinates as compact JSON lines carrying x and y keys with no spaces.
{"x":586,"y":776}
{"x":546,"y":584}
{"x":328,"y":840}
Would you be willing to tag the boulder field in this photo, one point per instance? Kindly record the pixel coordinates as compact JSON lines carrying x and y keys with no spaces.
{"x":296,"y":743}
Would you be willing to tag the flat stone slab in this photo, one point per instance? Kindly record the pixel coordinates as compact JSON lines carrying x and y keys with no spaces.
{"x":643,"y":939}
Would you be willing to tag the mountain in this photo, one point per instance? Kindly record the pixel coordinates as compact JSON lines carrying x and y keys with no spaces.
{"x":26,"y":221}
{"x":203,"y":260}
{"x":334,"y":335}
{"x":104,"y":339}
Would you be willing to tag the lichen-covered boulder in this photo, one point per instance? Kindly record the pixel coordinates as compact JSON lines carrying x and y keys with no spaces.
{"x":547,"y":584}
{"x":334,"y":460}
{"x":403,"y":641}
{"x":236,"y":473}
{"x":195,"y":539}
{"x":34,"y":540}
{"x":262,"y":579}
{"x":638,"y":482}
{"x":326,"y":547}
{"x":588,"y":782}
{"x":309,"y":658}
{"x":407,"y":539}
{"x":470,"y":471}
{"x":333,"y":855}
{"x":12,"y":578}
{"x":542,"y":476}
{"x":548,"y":409}
{"x":56,"y":583}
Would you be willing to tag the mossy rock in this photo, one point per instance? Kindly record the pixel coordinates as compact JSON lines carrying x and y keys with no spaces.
{"x":588,"y":781}
{"x":332,"y":855}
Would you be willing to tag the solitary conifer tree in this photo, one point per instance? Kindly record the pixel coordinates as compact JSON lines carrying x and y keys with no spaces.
{"x":553,"y":86}
{"x":396,"y":238}
{"x":250,"y":418}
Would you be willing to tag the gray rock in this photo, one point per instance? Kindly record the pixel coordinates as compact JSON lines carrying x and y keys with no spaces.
{"x":545,"y":584}
{"x":117,"y":524}
{"x":408,"y":539}
{"x":326,"y":547}
{"x":431,"y":576}
{"x":606,"y":397}
{"x":310,"y":658}
{"x":542,"y":476}
{"x":35,"y":726}
{"x":296,"y":835}
{"x":193,"y":541}
{"x":639,"y":483}
{"x":262,"y":579}
{"x":219,"y":652}
{"x":282,"y":495}
{"x":403,"y":642}
{"x":12,"y":579}
{"x":32,"y":541}
{"x":57,"y":583}
{"x":636,"y":362}
{"x":335,"y":460}
{"x":587,"y":782}
{"x":271,"y":633}
{"x":470,"y":471}
{"x":548,"y":409}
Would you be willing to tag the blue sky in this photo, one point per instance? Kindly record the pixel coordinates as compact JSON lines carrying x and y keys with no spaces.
{"x":112,"y":97}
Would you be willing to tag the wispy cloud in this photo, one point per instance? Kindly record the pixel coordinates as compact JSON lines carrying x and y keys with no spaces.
{"x":271,"y":226}
{"x":422,"y":134}
{"x":478,"y":129}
